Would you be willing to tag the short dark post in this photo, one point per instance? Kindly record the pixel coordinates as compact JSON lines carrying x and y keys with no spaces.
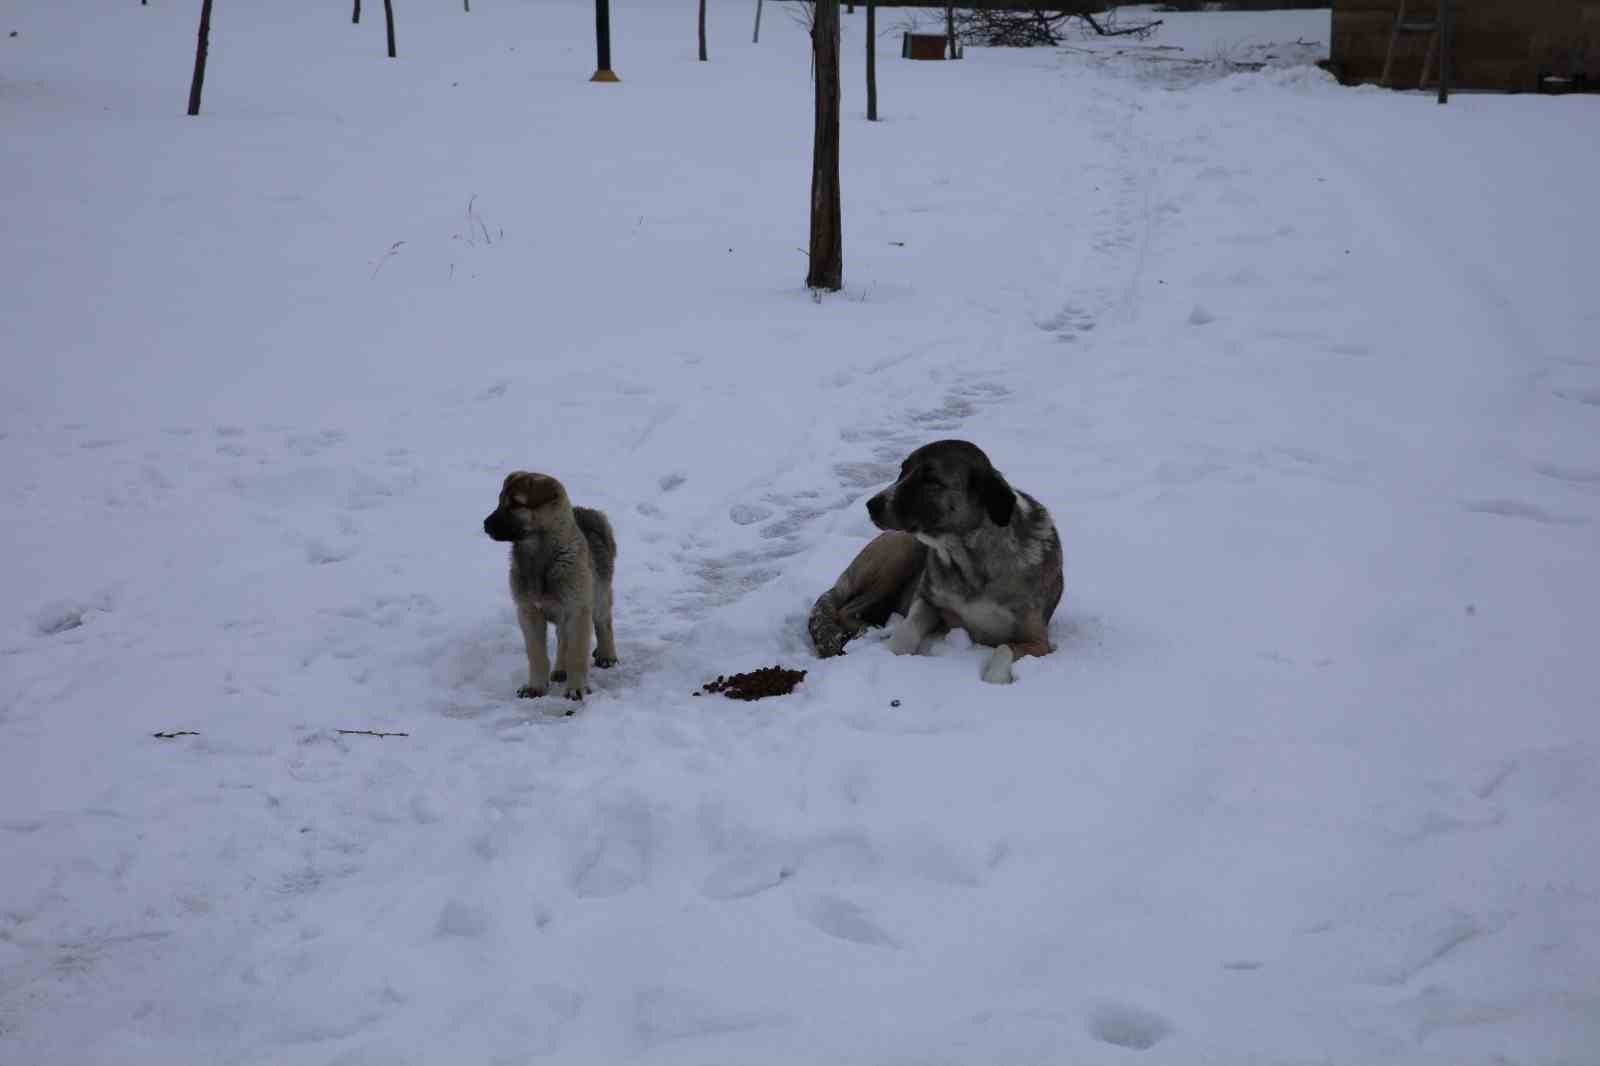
{"x":388,"y":21}
{"x":702,"y":31}
{"x":355,"y":15}
{"x":201,"y":46}
{"x":872,"y":60}
{"x":950,"y":29}
{"x":602,"y":39}
{"x":1446,"y":31}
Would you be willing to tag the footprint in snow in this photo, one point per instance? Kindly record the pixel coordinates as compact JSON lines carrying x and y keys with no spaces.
{"x":1128,"y":1026}
{"x":1572,"y":475}
{"x":1518,"y":509}
{"x":663,"y":1015}
{"x":617,"y":857}
{"x":840,"y":918}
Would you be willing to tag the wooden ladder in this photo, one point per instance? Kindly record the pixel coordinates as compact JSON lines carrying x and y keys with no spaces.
{"x":1438,"y":27}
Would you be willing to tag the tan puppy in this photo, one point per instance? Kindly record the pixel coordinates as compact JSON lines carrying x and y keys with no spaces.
{"x":562,"y":559}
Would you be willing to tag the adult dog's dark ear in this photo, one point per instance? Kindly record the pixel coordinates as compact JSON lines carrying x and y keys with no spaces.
{"x":996,"y":496}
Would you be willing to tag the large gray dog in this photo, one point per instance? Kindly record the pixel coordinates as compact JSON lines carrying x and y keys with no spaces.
{"x":962,"y":549}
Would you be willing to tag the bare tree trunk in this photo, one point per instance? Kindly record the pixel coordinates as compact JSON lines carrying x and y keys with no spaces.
{"x":872,"y":60}
{"x":201,"y":47}
{"x":702,"y":31}
{"x":388,"y":22}
{"x":950,"y":29}
{"x":827,"y":253}
{"x":355,"y":15}
{"x":756,"y":37}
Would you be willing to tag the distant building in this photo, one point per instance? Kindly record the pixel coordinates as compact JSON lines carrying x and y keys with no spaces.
{"x":1508,"y":45}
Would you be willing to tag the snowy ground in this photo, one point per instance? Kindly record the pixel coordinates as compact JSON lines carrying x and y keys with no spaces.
{"x":1308,"y":375}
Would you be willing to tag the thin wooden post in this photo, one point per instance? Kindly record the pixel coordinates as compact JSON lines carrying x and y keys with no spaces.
{"x":755,"y":38}
{"x":1446,"y":31}
{"x":702,"y":31}
{"x":602,"y":42}
{"x":355,"y":14}
{"x":872,"y":60}
{"x":388,"y":22}
{"x":202,"y":46}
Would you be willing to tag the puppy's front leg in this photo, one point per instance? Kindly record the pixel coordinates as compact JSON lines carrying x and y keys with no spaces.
{"x":921,"y":620}
{"x":533,"y":625}
{"x":572,"y":651}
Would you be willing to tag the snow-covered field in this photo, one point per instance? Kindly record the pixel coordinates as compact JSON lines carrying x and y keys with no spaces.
{"x":1308,"y":375}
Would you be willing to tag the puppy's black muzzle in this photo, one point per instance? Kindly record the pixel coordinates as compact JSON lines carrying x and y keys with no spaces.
{"x":497,"y":527}
{"x":875,"y":508}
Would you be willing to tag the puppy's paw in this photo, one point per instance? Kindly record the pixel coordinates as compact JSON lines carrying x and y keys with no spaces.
{"x":997,"y":671}
{"x":530,"y":692}
{"x":577,"y":691}
{"x":558,"y":675}
{"x":604,"y":662}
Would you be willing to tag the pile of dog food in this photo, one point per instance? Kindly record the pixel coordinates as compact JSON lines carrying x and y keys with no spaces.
{"x":756,"y":684}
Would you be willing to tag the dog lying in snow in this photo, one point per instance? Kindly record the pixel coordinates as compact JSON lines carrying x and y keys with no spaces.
{"x":562,"y":559}
{"x":962,"y":548}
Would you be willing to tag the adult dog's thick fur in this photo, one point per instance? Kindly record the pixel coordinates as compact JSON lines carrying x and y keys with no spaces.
{"x":562,"y":559}
{"x":962,"y":549}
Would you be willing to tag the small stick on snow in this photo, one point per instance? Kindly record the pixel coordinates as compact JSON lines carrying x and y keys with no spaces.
{"x":369,"y":733}
{"x":393,"y":248}
{"x":175,"y":733}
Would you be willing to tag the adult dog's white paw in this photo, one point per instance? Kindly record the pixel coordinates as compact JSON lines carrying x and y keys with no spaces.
{"x":997,"y":671}
{"x":906,"y":639}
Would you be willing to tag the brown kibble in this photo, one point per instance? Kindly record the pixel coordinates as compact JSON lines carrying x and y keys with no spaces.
{"x":756,"y":684}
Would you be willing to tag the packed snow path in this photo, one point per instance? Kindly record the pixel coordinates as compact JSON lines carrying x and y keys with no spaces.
{"x":1312,"y":778}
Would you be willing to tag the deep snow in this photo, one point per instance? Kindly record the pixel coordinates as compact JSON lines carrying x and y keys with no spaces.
{"x":1308,"y":376}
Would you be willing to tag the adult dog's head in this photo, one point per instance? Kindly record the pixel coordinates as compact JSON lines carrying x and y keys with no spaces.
{"x":529,"y":505}
{"x":948,"y":486}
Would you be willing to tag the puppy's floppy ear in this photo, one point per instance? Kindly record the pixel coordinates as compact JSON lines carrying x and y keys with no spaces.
{"x":995,"y":494}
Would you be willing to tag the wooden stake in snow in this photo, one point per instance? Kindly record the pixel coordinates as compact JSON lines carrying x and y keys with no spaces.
{"x":199,"y":80}
{"x":827,"y":254}
{"x":602,"y":43}
{"x":872,"y":60}
{"x":388,"y":22}
{"x":355,"y":13}
{"x":755,"y":38}
{"x":702,"y":31}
